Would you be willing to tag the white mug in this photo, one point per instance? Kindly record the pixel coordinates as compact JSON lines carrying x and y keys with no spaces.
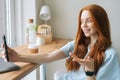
{"x":40,"y":41}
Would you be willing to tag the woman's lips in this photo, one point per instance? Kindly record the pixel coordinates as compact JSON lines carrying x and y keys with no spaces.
{"x":86,"y":30}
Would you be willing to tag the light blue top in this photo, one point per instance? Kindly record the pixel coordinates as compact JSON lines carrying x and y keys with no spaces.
{"x":108,"y":71}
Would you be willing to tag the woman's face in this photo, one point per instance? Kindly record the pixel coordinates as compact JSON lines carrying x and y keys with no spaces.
{"x":87,"y":24}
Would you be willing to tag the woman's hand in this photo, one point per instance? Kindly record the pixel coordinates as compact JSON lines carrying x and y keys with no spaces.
{"x":87,"y":63}
{"x":12,"y":55}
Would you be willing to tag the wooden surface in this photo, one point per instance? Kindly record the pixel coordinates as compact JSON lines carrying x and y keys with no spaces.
{"x":26,"y":68}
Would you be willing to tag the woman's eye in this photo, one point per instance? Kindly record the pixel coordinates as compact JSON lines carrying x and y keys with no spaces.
{"x":89,"y":21}
{"x":86,"y":21}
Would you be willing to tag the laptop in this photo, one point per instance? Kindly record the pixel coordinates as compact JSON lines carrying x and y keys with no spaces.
{"x":7,"y":66}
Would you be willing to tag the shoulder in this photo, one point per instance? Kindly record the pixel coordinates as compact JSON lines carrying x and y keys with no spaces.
{"x":111,"y":53}
{"x":110,"y":50}
{"x":69,"y":47}
{"x":110,"y":66}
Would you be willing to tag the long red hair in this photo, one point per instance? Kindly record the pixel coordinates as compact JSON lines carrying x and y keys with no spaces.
{"x":101,"y":21}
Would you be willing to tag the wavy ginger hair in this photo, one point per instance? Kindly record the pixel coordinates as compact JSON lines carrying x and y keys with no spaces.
{"x":102,"y":26}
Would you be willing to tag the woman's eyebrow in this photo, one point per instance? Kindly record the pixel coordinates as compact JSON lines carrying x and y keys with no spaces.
{"x":86,"y":18}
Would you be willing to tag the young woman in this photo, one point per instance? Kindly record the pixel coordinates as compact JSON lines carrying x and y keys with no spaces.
{"x":90,"y":55}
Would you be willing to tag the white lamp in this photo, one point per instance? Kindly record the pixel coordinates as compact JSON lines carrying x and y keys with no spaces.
{"x":45,"y":13}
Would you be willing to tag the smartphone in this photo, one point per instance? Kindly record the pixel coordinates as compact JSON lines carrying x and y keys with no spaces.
{"x":5,"y":47}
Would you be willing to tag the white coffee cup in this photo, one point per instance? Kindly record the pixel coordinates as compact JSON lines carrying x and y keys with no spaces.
{"x":40,"y":41}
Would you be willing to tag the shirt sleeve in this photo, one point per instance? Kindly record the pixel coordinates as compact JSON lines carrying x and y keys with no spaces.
{"x":69,"y":47}
{"x":110,"y":69}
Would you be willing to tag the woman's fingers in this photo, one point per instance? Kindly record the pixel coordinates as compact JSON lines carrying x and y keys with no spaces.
{"x":8,"y":48}
{"x":3,"y":55}
{"x":4,"y":58}
{"x":73,"y":55}
{"x":75,"y":58}
{"x":87,"y":62}
{"x":81,"y":61}
{"x":2,"y":45}
{"x":10,"y":51}
{"x":90,"y":59}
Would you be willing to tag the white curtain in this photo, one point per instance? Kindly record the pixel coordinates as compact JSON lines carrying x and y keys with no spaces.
{"x":2,"y":18}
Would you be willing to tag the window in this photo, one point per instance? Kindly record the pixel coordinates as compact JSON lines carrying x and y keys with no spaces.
{"x":7,"y":20}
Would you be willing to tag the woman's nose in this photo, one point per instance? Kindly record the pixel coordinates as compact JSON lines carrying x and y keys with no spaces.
{"x":83,"y":25}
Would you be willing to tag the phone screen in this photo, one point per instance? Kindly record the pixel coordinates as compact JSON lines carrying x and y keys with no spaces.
{"x":5,"y":46}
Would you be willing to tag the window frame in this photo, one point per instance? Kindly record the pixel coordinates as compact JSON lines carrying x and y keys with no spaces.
{"x":9,"y":19}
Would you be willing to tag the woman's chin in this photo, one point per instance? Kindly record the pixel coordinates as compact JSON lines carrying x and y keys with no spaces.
{"x":87,"y":35}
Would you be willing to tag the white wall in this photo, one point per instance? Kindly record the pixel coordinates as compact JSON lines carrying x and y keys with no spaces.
{"x":64,"y":22}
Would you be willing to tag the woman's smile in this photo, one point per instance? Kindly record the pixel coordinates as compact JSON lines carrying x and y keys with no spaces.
{"x":86,"y":31}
